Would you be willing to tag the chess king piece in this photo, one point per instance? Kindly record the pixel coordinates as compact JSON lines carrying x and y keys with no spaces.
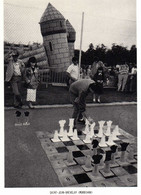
{"x":102,"y":142}
{"x":71,"y":124}
{"x":75,"y":135}
{"x":123,"y":151}
{"x":113,"y":149}
{"x":108,"y":132}
{"x":70,"y":157}
{"x":56,"y":138}
{"x":86,"y":127}
{"x":96,"y":159}
{"x":61,"y":123}
{"x":26,"y":113}
{"x":107,"y":161}
{"x":18,"y":118}
{"x":101,"y":124}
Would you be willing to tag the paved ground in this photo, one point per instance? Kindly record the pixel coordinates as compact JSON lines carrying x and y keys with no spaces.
{"x":26,"y":164}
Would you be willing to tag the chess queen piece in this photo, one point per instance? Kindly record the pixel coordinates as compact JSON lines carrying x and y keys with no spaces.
{"x":26,"y":121}
{"x":18,"y":118}
{"x":61,"y":123}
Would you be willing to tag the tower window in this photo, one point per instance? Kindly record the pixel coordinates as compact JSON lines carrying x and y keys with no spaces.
{"x":61,"y":24}
{"x":50,"y":46}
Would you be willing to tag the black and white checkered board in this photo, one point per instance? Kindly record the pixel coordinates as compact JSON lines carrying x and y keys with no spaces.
{"x":122,"y":174}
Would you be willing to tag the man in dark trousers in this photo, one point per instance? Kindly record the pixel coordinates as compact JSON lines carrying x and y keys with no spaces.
{"x":78,"y":93}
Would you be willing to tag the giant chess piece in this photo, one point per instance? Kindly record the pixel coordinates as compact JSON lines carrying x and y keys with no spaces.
{"x":86,"y":131}
{"x":92,"y":130}
{"x":96,"y":159}
{"x":18,"y":118}
{"x":123,"y":151}
{"x":65,"y":137}
{"x":102,"y":142}
{"x":116,"y":130}
{"x":101,"y":124}
{"x":108,"y":131}
{"x":114,"y":136}
{"x":113,"y":149}
{"x":75,"y":135}
{"x":26,"y":121}
{"x":95,"y":145}
{"x":88,"y":162}
{"x":107,"y":161}
{"x":71,"y":124}
{"x":87,"y":139}
{"x":70,"y":157}
{"x":56,"y":138}
{"x":61,"y":123}
{"x":110,"y":140}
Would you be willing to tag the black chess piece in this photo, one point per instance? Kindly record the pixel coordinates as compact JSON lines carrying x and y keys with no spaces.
{"x":108,"y":155}
{"x":26,"y":113}
{"x":95,"y":143}
{"x":97,"y":158}
{"x":113,"y":148}
{"x":124,"y":146}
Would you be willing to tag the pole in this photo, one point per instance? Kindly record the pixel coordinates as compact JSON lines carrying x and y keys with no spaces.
{"x":81,"y":43}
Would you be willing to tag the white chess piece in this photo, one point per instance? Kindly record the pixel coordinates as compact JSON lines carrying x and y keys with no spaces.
{"x":65,"y":136}
{"x":102,"y":142}
{"x":110,"y":141}
{"x":56,"y":138}
{"x":75,"y":135}
{"x":61,"y":123}
{"x":101,"y":124}
{"x":86,"y":127}
{"x":116,"y":130}
{"x":92,"y":130}
{"x":87,"y":139}
{"x":71,"y":124}
{"x":114,"y":136}
{"x":108,"y":131}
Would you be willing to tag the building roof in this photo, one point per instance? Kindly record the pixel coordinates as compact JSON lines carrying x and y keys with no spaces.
{"x":51,"y":13}
{"x":69,"y":26}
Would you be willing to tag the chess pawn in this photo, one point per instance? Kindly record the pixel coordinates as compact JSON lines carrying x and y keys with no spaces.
{"x":56,"y":138}
{"x":116,"y":130}
{"x":26,"y":122}
{"x":114,"y":136}
{"x":75,"y":135}
{"x":102,"y":142}
{"x":110,"y":141}
{"x":87,"y":139}
{"x":18,"y":118}
{"x":88,"y":162}
{"x":70,"y":157}
{"x":65,"y":136}
{"x":92,"y":130}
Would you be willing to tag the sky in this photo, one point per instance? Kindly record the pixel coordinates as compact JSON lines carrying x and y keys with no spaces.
{"x":105,"y":21}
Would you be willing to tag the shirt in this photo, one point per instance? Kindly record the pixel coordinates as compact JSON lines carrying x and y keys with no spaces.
{"x":73,"y":70}
{"x":123,"y":69}
{"x":16,"y":68}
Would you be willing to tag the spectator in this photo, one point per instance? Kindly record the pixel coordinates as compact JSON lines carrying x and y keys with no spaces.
{"x":14,"y":75}
{"x":122,"y":76}
{"x":32,"y":80}
{"x":72,"y":72}
{"x":133,"y":79}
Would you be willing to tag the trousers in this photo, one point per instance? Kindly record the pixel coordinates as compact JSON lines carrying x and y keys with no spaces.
{"x":122,"y":80}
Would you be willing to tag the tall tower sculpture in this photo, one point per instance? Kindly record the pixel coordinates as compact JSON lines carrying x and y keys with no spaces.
{"x":71,"y":38}
{"x":54,"y":31}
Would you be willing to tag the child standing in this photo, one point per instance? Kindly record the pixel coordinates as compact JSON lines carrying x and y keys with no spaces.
{"x":99,"y":79}
{"x":32,"y":80}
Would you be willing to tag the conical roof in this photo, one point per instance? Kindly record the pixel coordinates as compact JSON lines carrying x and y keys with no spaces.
{"x":69,"y":26}
{"x":51,"y":13}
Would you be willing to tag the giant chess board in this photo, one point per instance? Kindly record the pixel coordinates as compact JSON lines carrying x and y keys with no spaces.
{"x":121,"y":173}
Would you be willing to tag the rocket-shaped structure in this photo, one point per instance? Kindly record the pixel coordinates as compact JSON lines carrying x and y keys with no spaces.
{"x":58,"y":38}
